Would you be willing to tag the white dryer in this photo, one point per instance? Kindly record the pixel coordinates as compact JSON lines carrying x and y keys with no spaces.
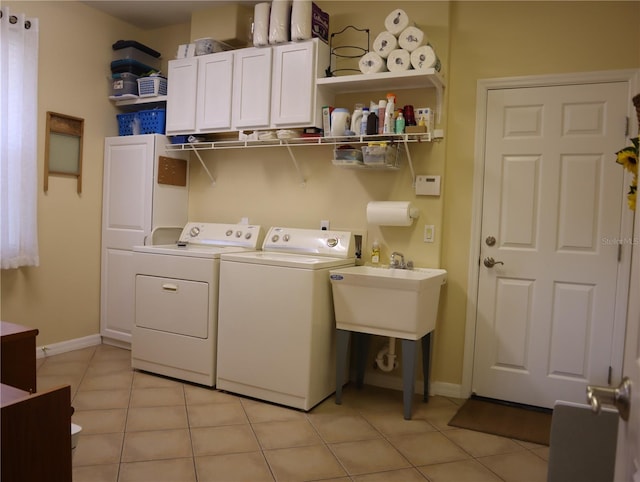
{"x":276,"y":326}
{"x":176,"y":300}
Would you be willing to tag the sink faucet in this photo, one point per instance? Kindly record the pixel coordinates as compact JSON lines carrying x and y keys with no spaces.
{"x":395,"y":262}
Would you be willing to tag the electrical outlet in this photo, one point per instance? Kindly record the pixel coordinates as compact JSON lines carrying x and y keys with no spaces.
{"x":429,"y":233}
{"x":324,"y":225}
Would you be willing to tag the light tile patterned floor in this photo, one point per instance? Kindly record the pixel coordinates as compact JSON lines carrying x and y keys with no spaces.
{"x":146,"y":428}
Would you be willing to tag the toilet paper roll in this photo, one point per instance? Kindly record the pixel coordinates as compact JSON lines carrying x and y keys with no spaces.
{"x":411,"y":38}
{"x":391,"y":213}
{"x":372,"y":63}
{"x":301,"y":20}
{"x":425,"y":57}
{"x":399,"y":60}
{"x":261,"y":14}
{"x":384,"y":43}
{"x":279,"y":21}
{"x":396,"y":21}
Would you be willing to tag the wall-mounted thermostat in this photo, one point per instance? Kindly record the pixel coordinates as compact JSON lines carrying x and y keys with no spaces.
{"x":427,"y":185}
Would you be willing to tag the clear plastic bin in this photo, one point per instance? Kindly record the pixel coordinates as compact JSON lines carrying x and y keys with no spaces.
{"x":382,"y":155}
{"x":124,"y":83}
{"x":132,"y":53}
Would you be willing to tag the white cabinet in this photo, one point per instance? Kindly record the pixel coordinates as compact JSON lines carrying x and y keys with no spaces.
{"x":181,"y":96}
{"x":215,"y":88}
{"x":295,"y":99}
{"x":138,"y":200}
{"x":200,"y":97}
{"x":252,"y":93}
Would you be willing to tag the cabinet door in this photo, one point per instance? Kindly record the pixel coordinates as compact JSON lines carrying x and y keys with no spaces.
{"x":252,"y":92}
{"x":181,"y":96}
{"x":215,"y":88}
{"x":294,"y":84}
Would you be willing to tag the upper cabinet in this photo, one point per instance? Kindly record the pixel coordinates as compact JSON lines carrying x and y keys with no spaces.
{"x":215,"y":87}
{"x":252,"y":93}
{"x":181,"y":98}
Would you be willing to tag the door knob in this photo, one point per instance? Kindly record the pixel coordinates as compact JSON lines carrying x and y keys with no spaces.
{"x":619,"y":397}
{"x":490,"y":240}
{"x":489,"y":262}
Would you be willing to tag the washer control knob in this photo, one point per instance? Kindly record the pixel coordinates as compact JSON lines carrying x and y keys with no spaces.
{"x":332,"y":242}
{"x":194,"y":231}
{"x":286,"y":238}
{"x":238,"y":234}
{"x":275,"y":238}
{"x":229,"y":232}
{"x":247,"y":236}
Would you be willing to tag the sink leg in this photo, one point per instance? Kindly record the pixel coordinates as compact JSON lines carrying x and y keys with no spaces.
{"x":362,"y":350}
{"x":408,"y":375}
{"x":342,"y":349}
{"x":426,"y":362}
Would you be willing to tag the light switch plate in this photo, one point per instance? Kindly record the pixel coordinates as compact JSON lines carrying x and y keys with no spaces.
{"x":429,"y":233}
{"x":427,"y":185}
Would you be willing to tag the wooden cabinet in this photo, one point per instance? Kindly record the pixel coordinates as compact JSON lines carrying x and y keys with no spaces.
{"x":36,"y":434}
{"x":252,"y":92}
{"x":215,"y":88}
{"x":18,"y":356}
{"x":181,"y":98}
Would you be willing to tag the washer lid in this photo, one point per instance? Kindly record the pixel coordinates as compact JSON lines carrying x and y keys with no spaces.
{"x":287,"y":260}
{"x":194,"y":251}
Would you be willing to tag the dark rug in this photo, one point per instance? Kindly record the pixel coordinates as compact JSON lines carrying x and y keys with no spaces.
{"x":521,"y":422}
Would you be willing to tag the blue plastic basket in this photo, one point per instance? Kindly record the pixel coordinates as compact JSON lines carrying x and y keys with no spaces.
{"x":150,"y":121}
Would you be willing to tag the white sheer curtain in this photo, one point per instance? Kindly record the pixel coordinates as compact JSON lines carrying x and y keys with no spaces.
{"x":18,"y":140}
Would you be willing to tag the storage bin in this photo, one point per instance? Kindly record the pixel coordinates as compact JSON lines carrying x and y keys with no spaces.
{"x":125,"y":83}
{"x":382,"y":155}
{"x":131,"y":66}
{"x":132,"y":53}
{"x":152,"y":86}
{"x":141,"y":122}
{"x":347,"y":156}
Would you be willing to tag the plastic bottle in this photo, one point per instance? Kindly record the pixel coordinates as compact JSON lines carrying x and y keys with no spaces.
{"x":340,"y":121}
{"x":372,"y":123}
{"x":382,"y":107}
{"x":363,"y":124}
{"x":356,"y":119}
{"x":375,"y":252}
{"x":400,"y":123}
{"x":390,"y":109}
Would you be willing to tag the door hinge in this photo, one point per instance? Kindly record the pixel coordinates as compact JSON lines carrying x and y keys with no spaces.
{"x":609,"y":376}
{"x":626,"y":127}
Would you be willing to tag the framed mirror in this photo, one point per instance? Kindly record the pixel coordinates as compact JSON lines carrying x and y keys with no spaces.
{"x":63,"y":147}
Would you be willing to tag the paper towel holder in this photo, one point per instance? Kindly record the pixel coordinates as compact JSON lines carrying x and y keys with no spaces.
{"x":346,"y":51}
{"x":404,"y":215}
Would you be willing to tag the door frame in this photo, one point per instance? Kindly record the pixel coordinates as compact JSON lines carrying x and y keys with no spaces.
{"x":632,"y":78}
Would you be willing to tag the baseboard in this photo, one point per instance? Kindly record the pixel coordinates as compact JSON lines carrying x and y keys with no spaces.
{"x":69,"y":345}
{"x":395,"y":383}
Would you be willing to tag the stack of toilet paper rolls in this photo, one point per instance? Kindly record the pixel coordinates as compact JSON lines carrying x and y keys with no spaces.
{"x":402,"y":46}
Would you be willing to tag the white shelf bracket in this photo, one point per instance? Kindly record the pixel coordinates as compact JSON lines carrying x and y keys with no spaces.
{"x":204,"y":166}
{"x":409,"y":160}
{"x":295,"y":163}
{"x":439,"y":100}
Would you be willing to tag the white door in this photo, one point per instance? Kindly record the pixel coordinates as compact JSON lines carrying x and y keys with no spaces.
{"x":215,"y":88}
{"x":181,"y":96}
{"x":553,"y":203}
{"x":252,"y":88}
{"x":628,"y":447}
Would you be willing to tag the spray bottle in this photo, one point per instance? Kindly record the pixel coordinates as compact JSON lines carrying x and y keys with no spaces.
{"x":390,"y":109}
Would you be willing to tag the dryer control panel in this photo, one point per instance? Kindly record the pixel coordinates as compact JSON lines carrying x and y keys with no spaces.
{"x":220,"y":234}
{"x":336,"y":244}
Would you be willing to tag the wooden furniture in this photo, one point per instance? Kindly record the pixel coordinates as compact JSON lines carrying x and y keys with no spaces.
{"x":18,"y":356}
{"x":36,"y":434}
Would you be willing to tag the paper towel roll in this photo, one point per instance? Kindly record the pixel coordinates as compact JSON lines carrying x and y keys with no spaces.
{"x":396,"y":21}
{"x":411,"y":38}
{"x":384,"y":43}
{"x":391,"y":213}
{"x":301,"y":20}
{"x":372,"y":63}
{"x":280,"y":21}
{"x":399,"y":60}
{"x":261,"y":14}
{"x":425,"y":57}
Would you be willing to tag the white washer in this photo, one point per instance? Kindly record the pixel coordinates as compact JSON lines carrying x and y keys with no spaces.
{"x":276,"y":326}
{"x":176,"y":300}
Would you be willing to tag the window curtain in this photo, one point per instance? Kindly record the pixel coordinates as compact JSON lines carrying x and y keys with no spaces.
{"x":18,"y":140}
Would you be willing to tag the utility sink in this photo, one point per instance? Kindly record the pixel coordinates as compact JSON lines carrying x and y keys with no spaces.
{"x":400,"y":303}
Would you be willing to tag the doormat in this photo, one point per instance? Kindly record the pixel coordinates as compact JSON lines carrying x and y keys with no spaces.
{"x":521,"y":422}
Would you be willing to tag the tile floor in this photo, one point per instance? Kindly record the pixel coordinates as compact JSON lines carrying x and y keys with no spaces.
{"x":141,"y":427}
